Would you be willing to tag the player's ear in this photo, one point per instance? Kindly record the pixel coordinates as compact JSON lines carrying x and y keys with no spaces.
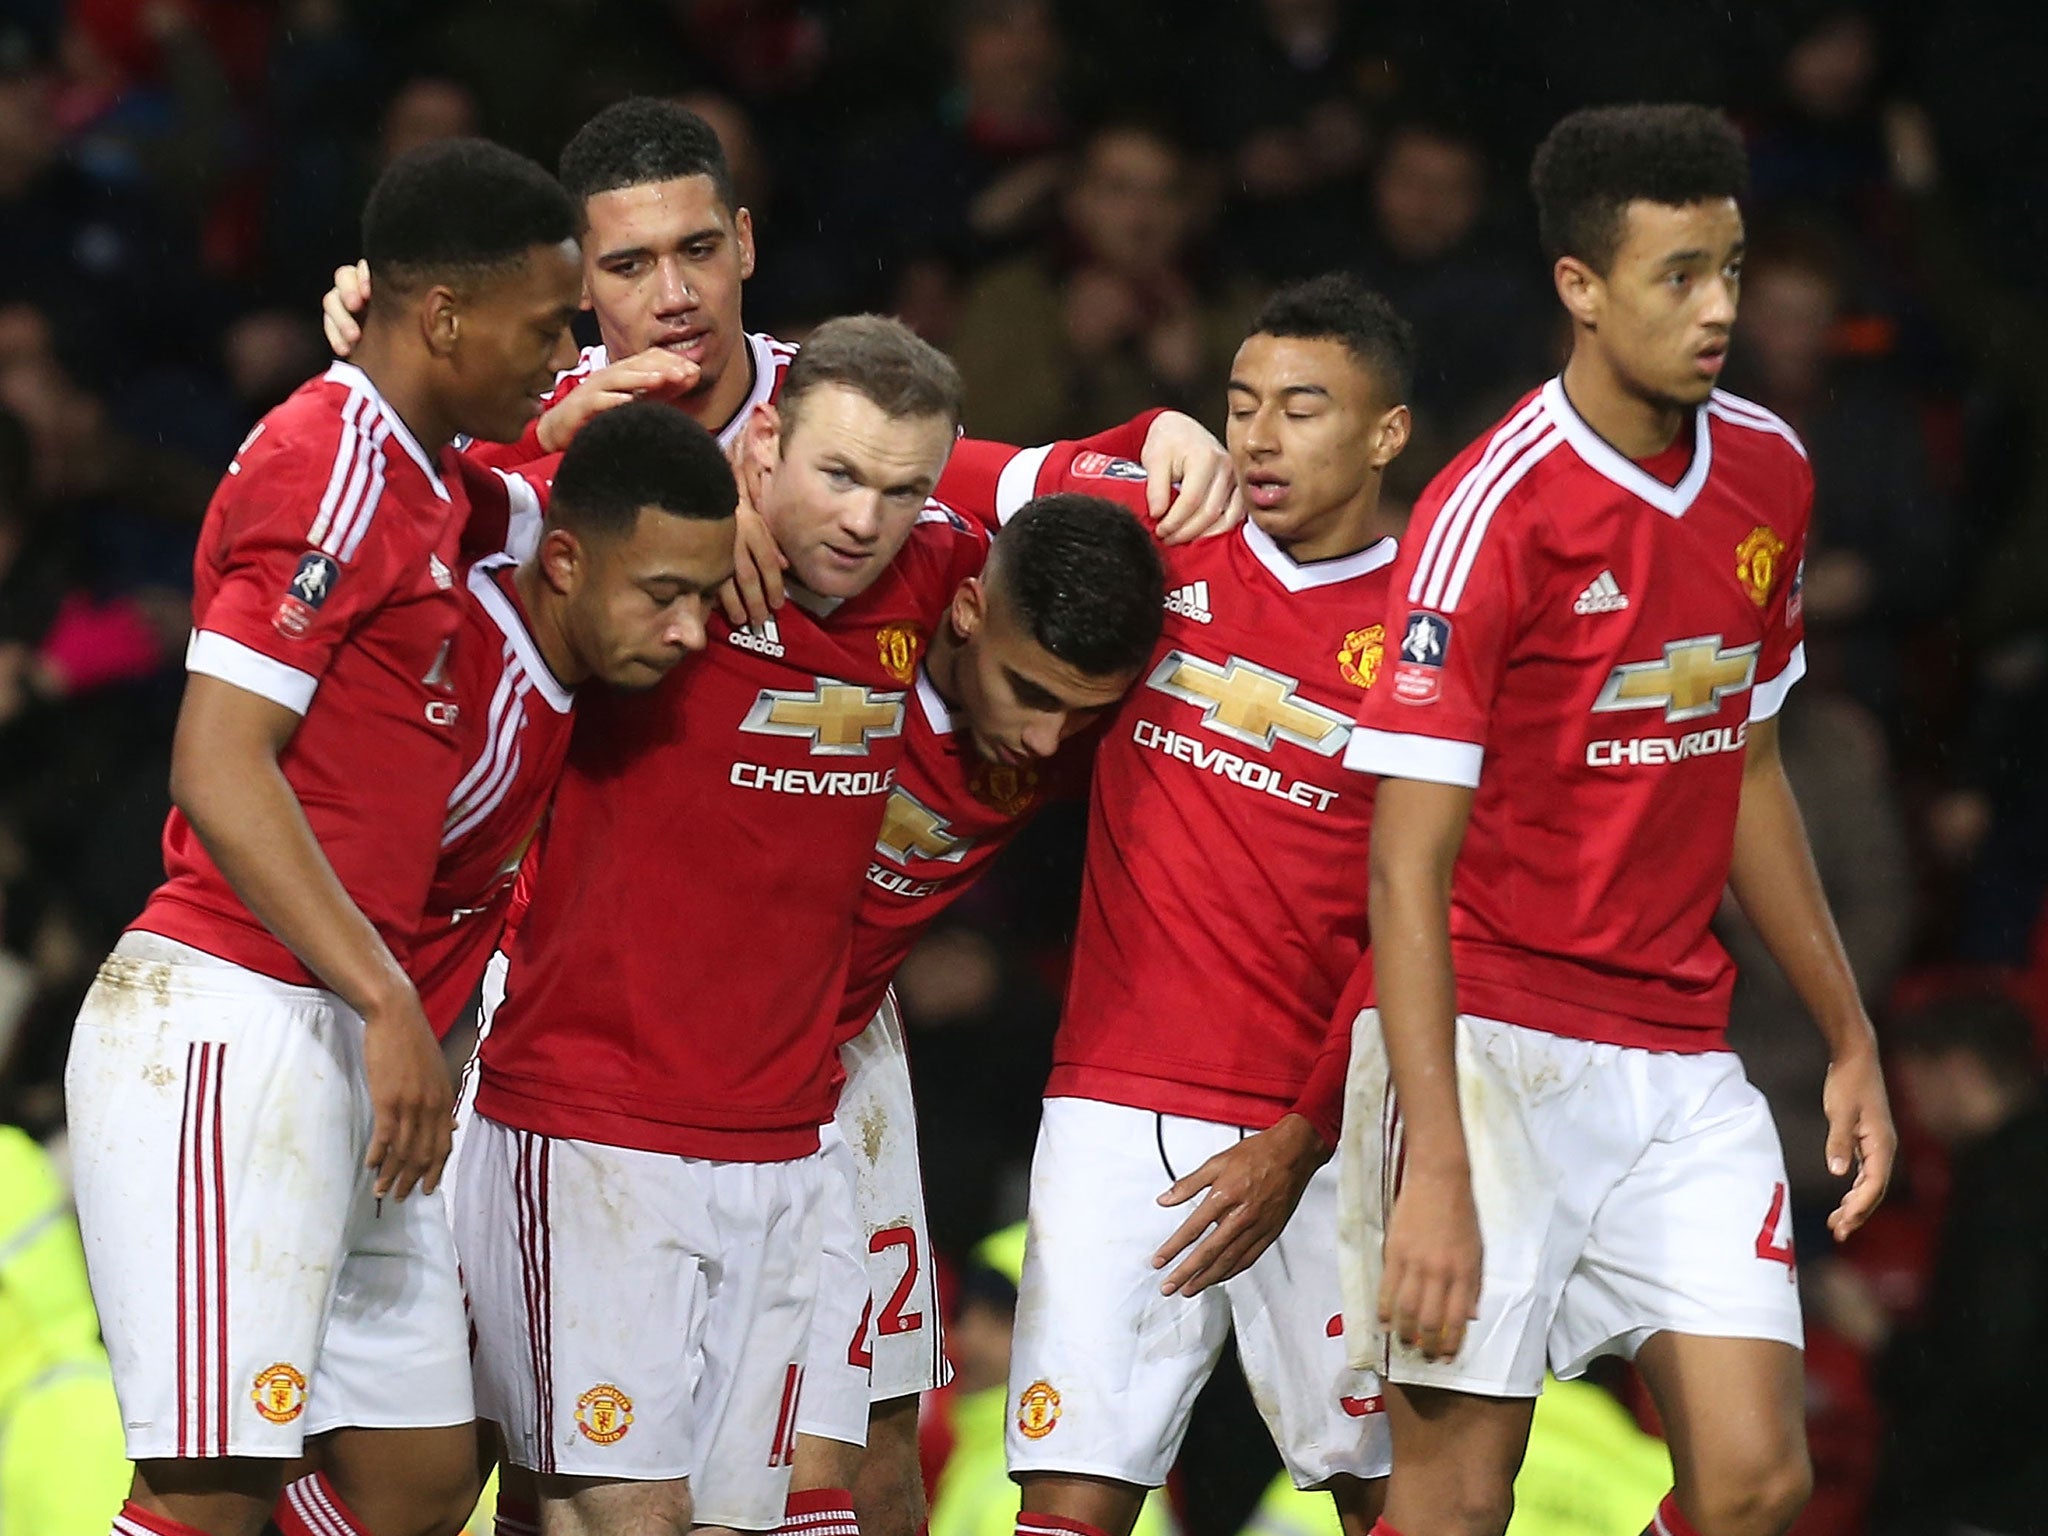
{"x":441,"y":319}
{"x":1579,"y":289}
{"x":562,"y":560}
{"x":970,"y":607}
{"x":743,"y":231}
{"x":1391,"y":435}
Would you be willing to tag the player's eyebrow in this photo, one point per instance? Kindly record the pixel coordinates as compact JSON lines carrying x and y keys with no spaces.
{"x":1030,"y":694}
{"x":1315,"y":390}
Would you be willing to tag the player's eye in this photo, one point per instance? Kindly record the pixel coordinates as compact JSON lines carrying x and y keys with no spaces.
{"x":838,"y":478}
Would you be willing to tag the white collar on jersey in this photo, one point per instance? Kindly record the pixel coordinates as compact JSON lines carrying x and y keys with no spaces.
{"x":359,"y":383}
{"x":935,"y":708}
{"x":1604,"y":459}
{"x":505,"y":614}
{"x":761,"y":355}
{"x":1297,"y":577}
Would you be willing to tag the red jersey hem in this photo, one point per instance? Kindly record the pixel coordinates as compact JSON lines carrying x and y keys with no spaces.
{"x":549,"y":1116}
{"x":1580,"y":1021}
{"x":1136,"y":1090}
{"x":255,"y":950}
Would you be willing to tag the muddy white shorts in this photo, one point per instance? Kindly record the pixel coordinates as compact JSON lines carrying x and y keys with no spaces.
{"x":877,"y":1333}
{"x":640,"y":1315}
{"x":1104,"y":1370}
{"x":1621,"y":1192}
{"x":252,"y":1289}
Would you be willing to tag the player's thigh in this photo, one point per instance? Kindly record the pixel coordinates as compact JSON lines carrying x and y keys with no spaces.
{"x":1734,"y":1415}
{"x":217,"y":1128}
{"x":878,"y":1117}
{"x":1328,"y":1418}
{"x":888,"y":1492}
{"x":834,"y":1403}
{"x":584,"y":1507}
{"x":1695,"y":1236}
{"x":585,"y":1267}
{"x":757,"y":1322}
{"x":1104,"y":1370}
{"x":1547,"y":1134}
{"x":1455,"y":1460}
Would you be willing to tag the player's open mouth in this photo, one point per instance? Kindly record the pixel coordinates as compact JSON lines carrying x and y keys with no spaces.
{"x":1710,"y":361}
{"x":1265,"y":492}
{"x":688,"y":343}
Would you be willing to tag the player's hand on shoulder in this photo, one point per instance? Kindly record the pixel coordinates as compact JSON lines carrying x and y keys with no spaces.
{"x":1190,"y":484}
{"x":341,"y":304}
{"x":655,"y":374}
{"x":754,"y":590}
{"x":1430,"y":1270}
{"x":1253,"y":1189}
{"x":411,"y":1101}
{"x":1861,"y":1136}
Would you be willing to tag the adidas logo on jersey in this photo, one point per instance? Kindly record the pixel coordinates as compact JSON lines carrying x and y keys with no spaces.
{"x":1603,"y":596}
{"x":1191,"y":602}
{"x":766,"y":640}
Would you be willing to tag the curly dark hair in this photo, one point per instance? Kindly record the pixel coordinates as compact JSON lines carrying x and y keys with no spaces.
{"x":459,"y":208}
{"x":1338,"y":307}
{"x":1597,"y":161}
{"x":642,"y":140}
{"x":1085,"y":577}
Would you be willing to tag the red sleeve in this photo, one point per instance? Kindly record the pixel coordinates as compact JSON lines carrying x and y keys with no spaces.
{"x":1783,"y":659}
{"x":988,"y":481}
{"x":290,"y":568}
{"x":505,"y":506}
{"x":524,"y":452}
{"x":1322,"y":1097}
{"x":1456,"y":599}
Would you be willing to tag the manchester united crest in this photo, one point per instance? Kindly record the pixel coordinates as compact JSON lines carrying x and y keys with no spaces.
{"x":1358,"y":658}
{"x":280,"y":1393}
{"x":604,"y":1414}
{"x":1009,"y":790}
{"x":1757,"y":560}
{"x":898,"y":645}
{"x":1038,"y":1410}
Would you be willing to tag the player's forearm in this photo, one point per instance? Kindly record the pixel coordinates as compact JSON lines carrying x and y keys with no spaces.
{"x":256,"y":833}
{"x":1774,"y":880}
{"x":1411,"y":911}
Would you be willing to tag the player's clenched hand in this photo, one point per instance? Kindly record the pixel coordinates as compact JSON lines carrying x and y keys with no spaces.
{"x":411,"y":1103}
{"x":1190,"y":485}
{"x":1253,"y":1188}
{"x":342,"y":303}
{"x":654,"y":374}
{"x":1860,"y":1132}
{"x":754,"y":590}
{"x":1429,"y":1280}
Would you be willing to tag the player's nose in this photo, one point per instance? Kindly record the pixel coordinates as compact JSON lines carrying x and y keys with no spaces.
{"x":1042,"y":735}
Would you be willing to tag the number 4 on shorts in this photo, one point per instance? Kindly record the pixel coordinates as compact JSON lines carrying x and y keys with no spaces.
{"x":1767,"y":1244}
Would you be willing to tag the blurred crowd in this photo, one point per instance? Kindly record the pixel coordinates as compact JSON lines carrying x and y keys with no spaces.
{"x":1084,"y":201}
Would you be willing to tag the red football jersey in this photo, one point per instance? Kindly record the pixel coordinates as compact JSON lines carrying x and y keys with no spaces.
{"x":324,"y":581}
{"x":676,"y":984}
{"x":949,"y":815}
{"x":1223,"y":898}
{"x":1586,"y":646}
{"x":514,"y":733}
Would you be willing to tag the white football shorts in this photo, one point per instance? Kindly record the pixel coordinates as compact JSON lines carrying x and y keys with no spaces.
{"x":639,"y":1315}
{"x":876,"y":1335}
{"x":1621,"y":1193}
{"x":1104,"y":1369}
{"x":252,"y":1289}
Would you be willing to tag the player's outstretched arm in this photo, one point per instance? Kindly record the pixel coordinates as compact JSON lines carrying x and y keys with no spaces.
{"x":1253,"y":1188}
{"x":225,"y":778}
{"x":1429,"y":1282}
{"x":1774,"y":879}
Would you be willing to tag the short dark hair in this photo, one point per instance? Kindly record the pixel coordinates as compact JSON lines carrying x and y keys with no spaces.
{"x":1338,"y":307}
{"x":879,"y":358}
{"x":640,"y":141}
{"x":456,"y":209}
{"x":1983,"y":1020}
{"x":1597,"y":161}
{"x":645,"y":453}
{"x":1085,"y":577}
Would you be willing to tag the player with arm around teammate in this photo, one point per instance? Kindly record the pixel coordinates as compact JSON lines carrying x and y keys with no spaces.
{"x":1551,"y":1151}
{"x":257,"y":1110}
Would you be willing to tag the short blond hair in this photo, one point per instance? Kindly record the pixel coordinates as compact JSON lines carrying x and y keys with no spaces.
{"x":882,"y":360}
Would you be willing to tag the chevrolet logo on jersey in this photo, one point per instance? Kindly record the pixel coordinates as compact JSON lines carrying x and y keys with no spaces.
{"x":840,"y":719}
{"x":1691,"y":681}
{"x":1248,"y":703}
{"x":911,"y":829}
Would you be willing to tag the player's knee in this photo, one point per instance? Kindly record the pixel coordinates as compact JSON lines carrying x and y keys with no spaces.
{"x":1761,"y":1495}
{"x":443,"y":1498}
